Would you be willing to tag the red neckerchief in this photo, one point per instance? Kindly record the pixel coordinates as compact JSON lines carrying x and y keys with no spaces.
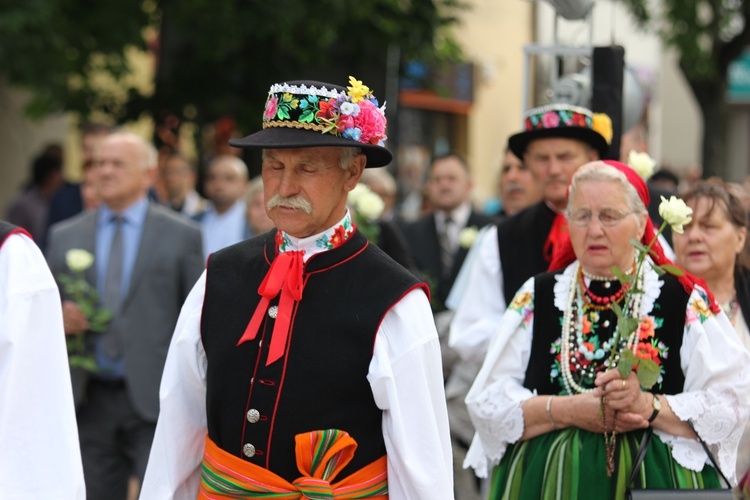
{"x":557,"y":238}
{"x":285,"y":277}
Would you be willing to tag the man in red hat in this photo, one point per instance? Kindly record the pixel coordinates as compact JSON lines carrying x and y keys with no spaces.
{"x":556,"y":140}
{"x":305,"y":361}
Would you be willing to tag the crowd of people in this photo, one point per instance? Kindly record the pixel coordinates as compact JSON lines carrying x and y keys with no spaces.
{"x":279,"y":335}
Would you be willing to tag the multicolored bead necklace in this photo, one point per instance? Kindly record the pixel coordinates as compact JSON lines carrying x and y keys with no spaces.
{"x":572,"y":336}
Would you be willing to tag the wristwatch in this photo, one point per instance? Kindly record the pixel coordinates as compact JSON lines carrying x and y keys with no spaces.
{"x":656,"y":405}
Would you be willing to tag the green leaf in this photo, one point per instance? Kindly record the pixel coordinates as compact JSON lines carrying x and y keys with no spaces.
{"x":624,"y":278}
{"x":639,"y":246}
{"x":626,"y":363}
{"x":307,"y":116}
{"x":659,"y":269}
{"x":87,"y":308}
{"x":65,"y":280}
{"x":648,"y":373}
{"x":101,"y":316}
{"x":283,"y":112}
{"x":673,"y":270}
{"x":617,"y":309}
{"x":626,"y":326}
{"x":85,"y":362}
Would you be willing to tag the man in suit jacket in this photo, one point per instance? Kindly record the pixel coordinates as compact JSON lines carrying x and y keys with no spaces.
{"x":146,"y":261}
{"x":434,"y":239}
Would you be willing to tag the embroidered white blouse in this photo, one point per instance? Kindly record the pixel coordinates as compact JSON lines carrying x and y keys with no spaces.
{"x":405,"y":375}
{"x":716,"y":392}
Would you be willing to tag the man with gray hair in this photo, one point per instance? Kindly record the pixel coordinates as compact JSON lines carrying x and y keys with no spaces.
{"x":145,"y":260}
{"x":305,"y":361}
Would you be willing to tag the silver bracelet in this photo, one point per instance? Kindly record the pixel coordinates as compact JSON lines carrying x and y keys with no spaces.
{"x":549,"y":413}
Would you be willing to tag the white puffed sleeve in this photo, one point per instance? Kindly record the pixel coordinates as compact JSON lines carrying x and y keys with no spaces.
{"x":716,"y":395}
{"x":494,"y":400}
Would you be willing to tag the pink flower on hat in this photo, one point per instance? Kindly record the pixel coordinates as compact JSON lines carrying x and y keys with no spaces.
{"x":271,"y":108}
{"x":371,"y":120}
{"x":345,"y":122}
{"x":550,"y":119}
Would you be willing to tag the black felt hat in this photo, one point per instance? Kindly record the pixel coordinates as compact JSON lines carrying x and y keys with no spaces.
{"x":564,"y":121}
{"x":306,"y":114}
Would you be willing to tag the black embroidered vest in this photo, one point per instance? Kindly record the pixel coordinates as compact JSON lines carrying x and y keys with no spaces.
{"x":521,"y":239}
{"x":670,"y":306}
{"x":321,"y":381}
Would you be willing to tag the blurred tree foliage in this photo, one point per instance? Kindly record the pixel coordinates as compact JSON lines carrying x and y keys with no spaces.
{"x":214,"y":58}
{"x":708,"y":35}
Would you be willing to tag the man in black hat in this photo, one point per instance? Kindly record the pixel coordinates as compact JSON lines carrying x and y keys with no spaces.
{"x":556,"y":140}
{"x":305,"y":360}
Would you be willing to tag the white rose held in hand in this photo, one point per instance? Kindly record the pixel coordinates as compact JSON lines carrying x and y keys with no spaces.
{"x":78,"y":260}
{"x":642,"y":163}
{"x":675,"y":213}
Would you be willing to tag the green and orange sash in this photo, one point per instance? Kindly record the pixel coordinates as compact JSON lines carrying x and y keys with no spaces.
{"x":321,"y":455}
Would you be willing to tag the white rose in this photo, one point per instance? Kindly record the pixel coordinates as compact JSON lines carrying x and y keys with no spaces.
{"x":78,"y":260}
{"x":675,"y":212}
{"x":468,"y":236}
{"x":353,"y":197}
{"x":370,"y":205}
{"x":642,"y":163}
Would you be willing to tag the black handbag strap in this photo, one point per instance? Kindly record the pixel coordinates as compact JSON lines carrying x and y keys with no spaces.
{"x":641,"y":454}
{"x":710,"y":455}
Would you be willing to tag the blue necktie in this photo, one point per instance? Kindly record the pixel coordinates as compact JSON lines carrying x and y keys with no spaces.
{"x":113,"y":288}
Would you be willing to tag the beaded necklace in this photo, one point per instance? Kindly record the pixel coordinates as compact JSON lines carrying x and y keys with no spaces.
{"x":572,"y":328}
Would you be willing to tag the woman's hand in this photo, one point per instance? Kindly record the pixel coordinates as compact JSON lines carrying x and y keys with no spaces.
{"x":624,"y":395}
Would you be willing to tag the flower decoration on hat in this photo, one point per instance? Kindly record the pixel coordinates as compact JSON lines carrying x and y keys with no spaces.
{"x":353,"y":115}
{"x":602,"y":124}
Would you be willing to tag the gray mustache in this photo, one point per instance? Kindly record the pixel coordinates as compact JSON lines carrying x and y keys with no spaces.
{"x":295,"y":202}
{"x":515,"y":186}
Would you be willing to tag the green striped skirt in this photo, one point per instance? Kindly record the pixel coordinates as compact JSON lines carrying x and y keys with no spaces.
{"x":571,"y":464}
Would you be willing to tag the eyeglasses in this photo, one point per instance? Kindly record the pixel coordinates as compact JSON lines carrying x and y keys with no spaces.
{"x":608,"y":217}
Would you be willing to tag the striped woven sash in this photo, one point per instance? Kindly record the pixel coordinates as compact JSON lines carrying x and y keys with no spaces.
{"x":321,"y":455}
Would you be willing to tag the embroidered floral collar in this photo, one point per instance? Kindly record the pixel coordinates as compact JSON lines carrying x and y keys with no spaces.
{"x":327,"y":240}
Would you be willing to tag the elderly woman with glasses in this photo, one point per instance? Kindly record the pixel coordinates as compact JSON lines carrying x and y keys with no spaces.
{"x":553,"y":418}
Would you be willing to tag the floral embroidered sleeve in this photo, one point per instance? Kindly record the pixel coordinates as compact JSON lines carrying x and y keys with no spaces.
{"x":495,"y":398}
{"x":717,"y":388}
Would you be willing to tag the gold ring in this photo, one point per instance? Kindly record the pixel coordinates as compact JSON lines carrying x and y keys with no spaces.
{"x":624,"y":383}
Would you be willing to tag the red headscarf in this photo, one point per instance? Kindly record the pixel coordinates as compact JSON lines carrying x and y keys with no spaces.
{"x":563,"y":254}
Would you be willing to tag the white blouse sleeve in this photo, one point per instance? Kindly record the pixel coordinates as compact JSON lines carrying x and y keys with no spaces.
{"x":406,"y":378}
{"x":482,"y":304}
{"x":716,"y":392}
{"x":494,"y":400}
{"x":177,"y":451}
{"x":40,"y":455}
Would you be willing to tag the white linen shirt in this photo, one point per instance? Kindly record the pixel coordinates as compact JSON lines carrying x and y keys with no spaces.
{"x":40,"y":455}
{"x":405,"y":375}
